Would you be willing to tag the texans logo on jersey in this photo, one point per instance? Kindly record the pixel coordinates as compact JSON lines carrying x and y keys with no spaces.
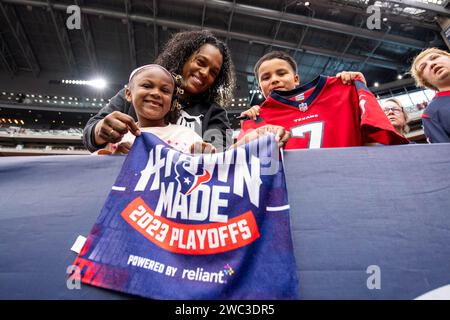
{"x":190,"y":178}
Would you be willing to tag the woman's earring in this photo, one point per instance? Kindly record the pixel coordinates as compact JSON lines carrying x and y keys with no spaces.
{"x":178,"y":78}
{"x":175,"y":106}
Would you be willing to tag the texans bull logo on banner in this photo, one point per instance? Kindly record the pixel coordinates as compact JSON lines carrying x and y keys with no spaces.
{"x":188,"y":179}
{"x":177,"y":226}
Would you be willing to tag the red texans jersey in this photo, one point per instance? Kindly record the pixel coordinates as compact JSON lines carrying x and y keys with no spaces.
{"x":325,"y":113}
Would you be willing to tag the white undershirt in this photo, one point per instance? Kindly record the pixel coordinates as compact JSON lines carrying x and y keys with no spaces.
{"x":178,"y":137}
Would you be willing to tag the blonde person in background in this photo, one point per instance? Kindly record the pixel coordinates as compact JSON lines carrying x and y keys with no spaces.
{"x":431,"y":69}
{"x":396,"y":114}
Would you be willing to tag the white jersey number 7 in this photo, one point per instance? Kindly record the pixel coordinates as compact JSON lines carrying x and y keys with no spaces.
{"x":316,"y":133}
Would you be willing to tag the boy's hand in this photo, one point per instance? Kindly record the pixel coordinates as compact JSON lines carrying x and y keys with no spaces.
{"x":113,"y":127}
{"x":202,"y":147}
{"x":347,"y":77}
{"x":252,"y":113}
{"x":281,"y":135}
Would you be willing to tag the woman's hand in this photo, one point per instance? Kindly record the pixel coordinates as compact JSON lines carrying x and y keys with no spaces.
{"x":113,"y":127}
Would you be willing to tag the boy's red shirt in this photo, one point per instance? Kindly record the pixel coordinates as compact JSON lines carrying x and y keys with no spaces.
{"x":325,"y":113}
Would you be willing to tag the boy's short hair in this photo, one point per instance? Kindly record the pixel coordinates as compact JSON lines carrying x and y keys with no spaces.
{"x":275,"y":55}
{"x":418,"y":77}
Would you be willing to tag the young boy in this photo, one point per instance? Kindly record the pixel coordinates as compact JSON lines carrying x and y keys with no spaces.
{"x":325,"y":113}
{"x":151,"y":90}
{"x":431,"y":69}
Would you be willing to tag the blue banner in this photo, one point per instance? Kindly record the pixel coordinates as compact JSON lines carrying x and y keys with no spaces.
{"x":177,"y":226}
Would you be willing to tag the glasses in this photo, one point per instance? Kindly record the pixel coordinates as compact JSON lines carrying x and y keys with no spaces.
{"x":393,"y":109}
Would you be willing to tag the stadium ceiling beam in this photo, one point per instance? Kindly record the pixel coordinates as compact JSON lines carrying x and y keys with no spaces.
{"x":305,"y":31}
{"x":19,"y":34}
{"x":428,"y":6}
{"x":269,"y":48}
{"x":387,"y":64}
{"x":362,"y":12}
{"x":6,"y":58}
{"x":155,"y":30}
{"x":88,"y":39}
{"x":131,"y":39}
{"x":313,"y":23}
{"x":63,"y":38}
{"x":374,"y":49}
{"x":393,"y":85}
{"x":203,"y":13}
{"x":230,"y":19}
{"x":278,"y":25}
{"x":287,"y":17}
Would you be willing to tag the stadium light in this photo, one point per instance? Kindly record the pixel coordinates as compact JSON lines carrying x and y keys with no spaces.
{"x":97,"y":83}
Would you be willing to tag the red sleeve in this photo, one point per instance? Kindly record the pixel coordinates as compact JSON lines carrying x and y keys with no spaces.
{"x":375,"y":126}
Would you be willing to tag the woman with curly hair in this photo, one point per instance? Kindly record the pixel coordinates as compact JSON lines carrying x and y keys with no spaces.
{"x":204,"y":62}
{"x":151,"y":89}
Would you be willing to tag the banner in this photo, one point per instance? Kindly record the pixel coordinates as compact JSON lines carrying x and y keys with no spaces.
{"x":177,"y":226}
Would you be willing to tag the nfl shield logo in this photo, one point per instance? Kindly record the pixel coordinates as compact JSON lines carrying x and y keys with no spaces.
{"x":303,"y":106}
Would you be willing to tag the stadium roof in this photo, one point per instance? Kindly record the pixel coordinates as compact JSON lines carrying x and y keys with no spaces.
{"x":37,"y":50}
